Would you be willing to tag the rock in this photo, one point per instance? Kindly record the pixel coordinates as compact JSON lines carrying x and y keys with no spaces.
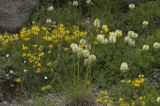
{"x":15,"y":13}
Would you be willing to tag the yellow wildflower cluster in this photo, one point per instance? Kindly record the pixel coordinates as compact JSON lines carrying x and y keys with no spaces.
{"x":136,"y":82}
{"x":34,"y":55}
{"x":104,"y":98}
{"x":6,"y":38}
{"x":122,"y":102}
{"x":37,"y":42}
{"x":142,"y":100}
{"x":45,"y":88}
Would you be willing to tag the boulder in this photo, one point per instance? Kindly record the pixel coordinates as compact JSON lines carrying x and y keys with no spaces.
{"x":15,"y":13}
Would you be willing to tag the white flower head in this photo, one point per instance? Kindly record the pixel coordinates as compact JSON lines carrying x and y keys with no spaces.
{"x":86,"y":62}
{"x":127,"y":39}
{"x":132,"y":42}
{"x":86,"y":53}
{"x":156,"y":45}
{"x":105,"y":28}
{"x":80,"y":52}
{"x":7,"y":55}
{"x":25,"y":61}
{"x":51,"y":8}
{"x":74,"y":47}
{"x":118,"y":33}
{"x":82,"y":41}
{"x":145,"y":47}
{"x":132,"y":34}
{"x":90,"y":60}
{"x":7,"y":75}
{"x":25,"y":70}
{"x":132,"y":6}
{"x":100,"y":38}
{"x":105,"y":41}
{"x":145,"y":23}
{"x":97,"y":23}
{"x":124,"y":67}
{"x":75,"y":3}
{"x":11,"y":71}
{"x":88,"y":1}
{"x":158,"y":99}
{"x":45,"y":77}
{"x":48,"y":21}
{"x":112,"y":37}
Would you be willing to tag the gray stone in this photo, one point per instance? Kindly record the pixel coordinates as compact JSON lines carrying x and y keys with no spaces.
{"x":15,"y":13}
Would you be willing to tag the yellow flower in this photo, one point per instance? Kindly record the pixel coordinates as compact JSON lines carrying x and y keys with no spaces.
{"x":35,"y":30}
{"x":66,"y":49}
{"x":49,"y":52}
{"x":99,"y":100}
{"x":122,"y":81}
{"x":38,"y":71}
{"x":46,"y":88}
{"x":120,"y":99}
{"x":142,"y":98}
{"x":118,"y":33}
{"x":24,"y":47}
{"x":128,"y":81}
{"x":104,"y":92}
{"x":44,"y":28}
{"x":105,"y":28}
{"x":143,"y":103}
{"x":49,"y":64}
{"x":133,"y":103}
{"x":141,"y":76}
{"x":12,"y":85}
{"x":18,"y":80}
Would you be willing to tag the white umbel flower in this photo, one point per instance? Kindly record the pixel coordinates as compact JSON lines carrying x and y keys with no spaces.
{"x":80,"y":52}
{"x":158,"y":99}
{"x":156,"y":45}
{"x":88,"y":1}
{"x":132,"y":34}
{"x":145,"y":47}
{"x":90,"y":60}
{"x":145,"y":23}
{"x":7,"y":55}
{"x":127,"y":39}
{"x":132,"y":6}
{"x":45,"y":77}
{"x":124,"y":67}
{"x":112,"y":37}
{"x":100,"y":38}
{"x":25,"y":70}
{"x":11,"y":71}
{"x":105,"y":41}
{"x":86,"y":53}
{"x":132,"y":42}
{"x":74,"y":47}
{"x":51,"y":8}
{"x":75,"y":3}
{"x":118,"y":33}
{"x":97,"y":23}
{"x":48,"y":21}
{"x":82,"y":41}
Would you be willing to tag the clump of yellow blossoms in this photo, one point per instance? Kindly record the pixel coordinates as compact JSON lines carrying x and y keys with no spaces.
{"x":45,"y":88}
{"x":104,"y":98}
{"x":47,"y":39}
{"x":6,"y":38}
{"x":136,"y":82}
{"x":38,"y":42}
